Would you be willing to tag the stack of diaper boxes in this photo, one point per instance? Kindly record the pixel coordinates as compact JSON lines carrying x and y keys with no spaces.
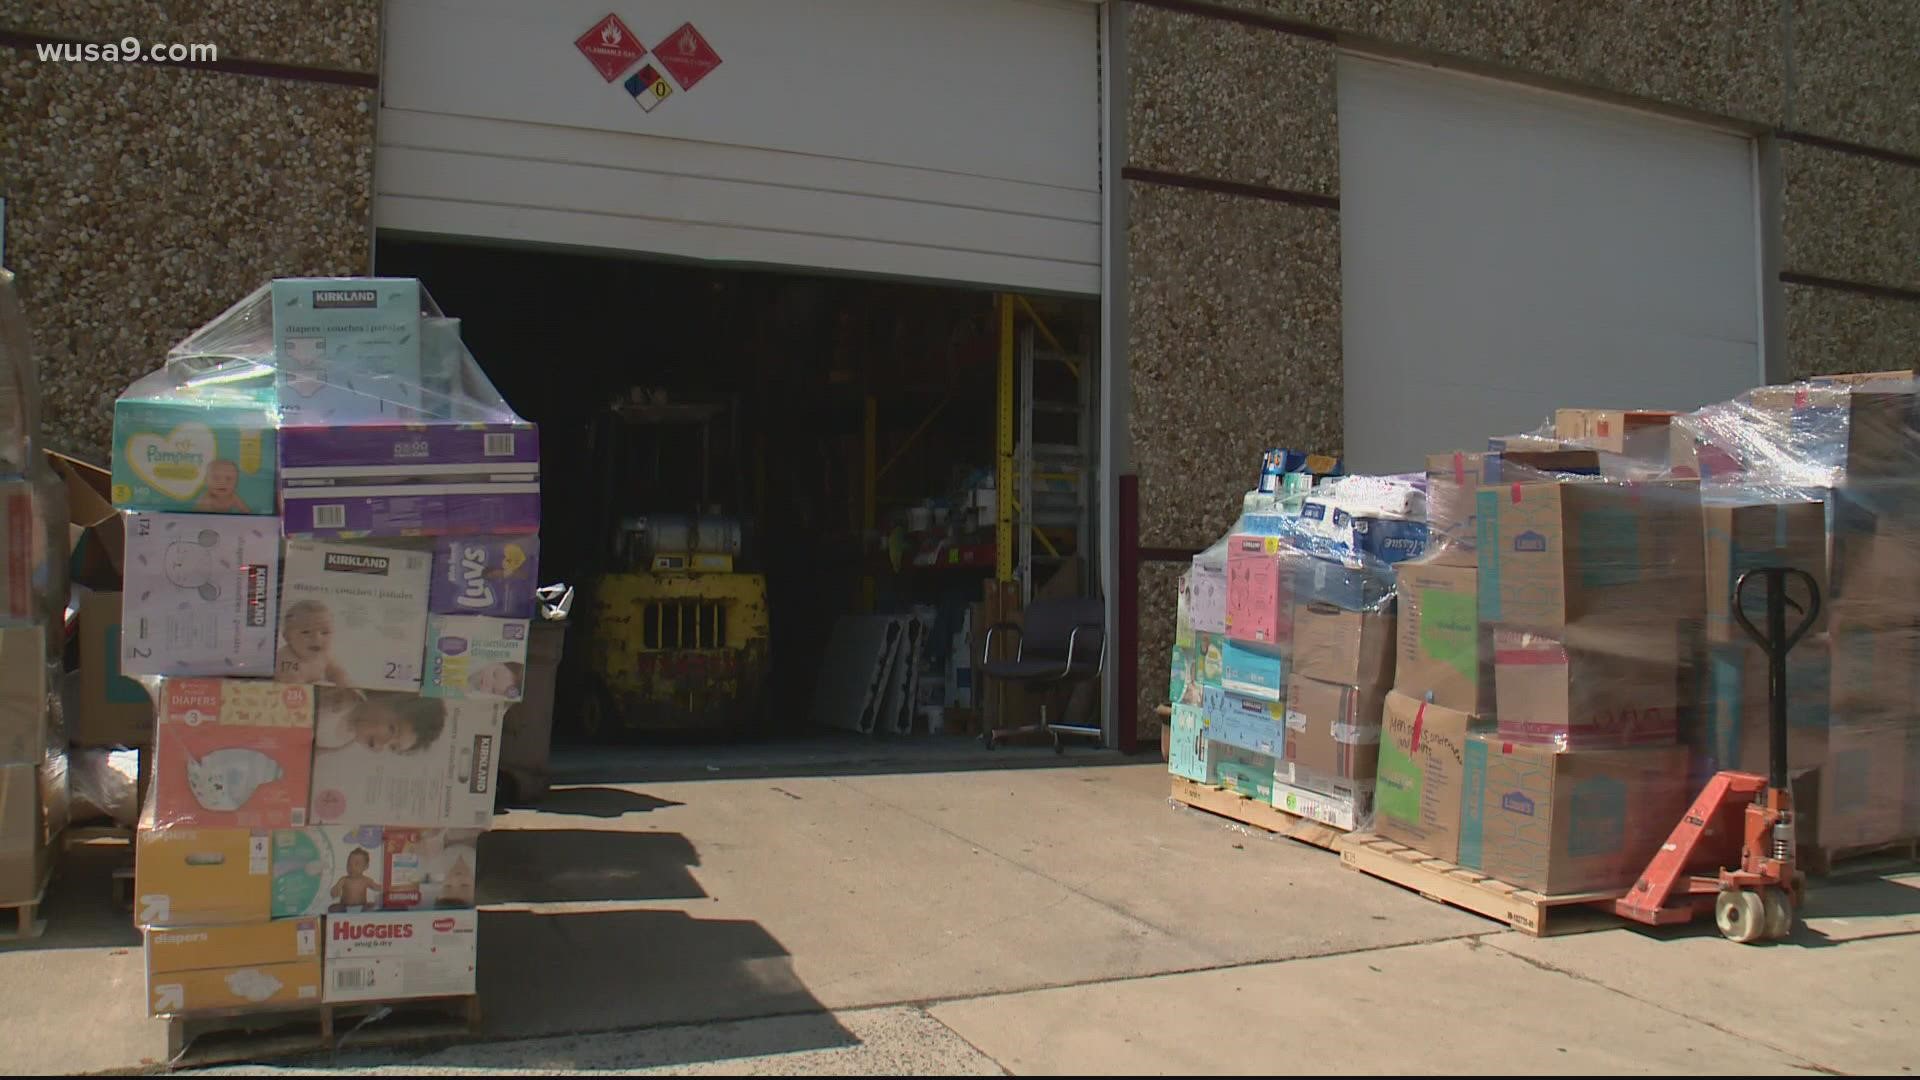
{"x":331,"y":523}
{"x":33,"y":592}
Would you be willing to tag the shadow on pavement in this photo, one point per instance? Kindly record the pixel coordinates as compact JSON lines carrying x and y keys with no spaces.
{"x":559,"y":866}
{"x":600,"y":802}
{"x":80,"y":909}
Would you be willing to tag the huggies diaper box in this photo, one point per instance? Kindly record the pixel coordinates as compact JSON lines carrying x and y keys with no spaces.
{"x":406,"y":760}
{"x":472,"y":656}
{"x":196,"y":442}
{"x":199,"y":596}
{"x":232,"y":754}
{"x":486,"y":575}
{"x":433,"y":479}
{"x":346,"y":349}
{"x":353,"y":615}
{"x":395,"y":954}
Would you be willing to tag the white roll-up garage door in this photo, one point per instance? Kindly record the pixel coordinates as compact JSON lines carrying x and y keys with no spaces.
{"x":1505,"y":251}
{"x":944,"y":139}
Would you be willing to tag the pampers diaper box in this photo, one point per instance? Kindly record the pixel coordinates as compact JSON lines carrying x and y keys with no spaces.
{"x":353,"y":616}
{"x":232,"y":754}
{"x":420,"y":762}
{"x":431,"y":868}
{"x":346,"y":349}
{"x":486,"y":575}
{"x":198,"y":443}
{"x":472,"y":656}
{"x":200,"y":594}
{"x":328,"y":868}
{"x":401,"y":954}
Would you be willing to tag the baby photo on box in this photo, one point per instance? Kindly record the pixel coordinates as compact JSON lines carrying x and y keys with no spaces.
{"x":431,"y":868}
{"x":471,"y":656}
{"x":233,"y":754}
{"x":353,"y":616}
{"x":486,"y":575}
{"x":404,"y":760}
{"x":326,"y":869}
{"x":199,"y":594}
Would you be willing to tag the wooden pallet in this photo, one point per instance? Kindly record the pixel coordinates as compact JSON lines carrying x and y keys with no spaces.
{"x":1863,"y":860}
{"x":96,"y":834}
{"x":30,"y":925}
{"x":256,"y":1035}
{"x":1449,"y":883}
{"x":1246,"y":811}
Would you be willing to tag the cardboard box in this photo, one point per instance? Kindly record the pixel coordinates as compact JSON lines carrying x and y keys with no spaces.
{"x":328,"y":868}
{"x":33,"y":548}
{"x":1883,"y":438}
{"x":1187,"y":746}
{"x":233,"y":754}
{"x":1445,"y":652}
{"x":1584,"y":689}
{"x":1247,"y":723}
{"x":401,"y":954}
{"x":1335,"y":645}
{"x":1259,"y":591}
{"x":1343,"y":804}
{"x":439,"y":769}
{"x":233,"y":967}
{"x":1423,"y":755}
{"x":1579,"y":821}
{"x":1253,"y":670}
{"x":1553,"y":554}
{"x":196,"y":445}
{"x":25,"y":686}
{"x":1333,"y":730}
{"x":486,"y":575}
{"x":32,"y":813}
{"x":200,"y":594}
{"x":476,"y":657}
{"x":202,"y":877}
{"x":96,"y":533}
{"x":346,"y":349}
{"x":431,"y":868}
{"x":1242,"y":771}
{"x":112,"y":709}
{"x":1207,"y":592}
{"x":1863,"y":786}
{"x":352,"y":615}
{"x":1326,"y":581}
{"x":1635,"y":433}
{"x":1734,"y":717}
{"x":393,"y":479}
{"x":1453,"y":484}
{"x":1749,"y":535}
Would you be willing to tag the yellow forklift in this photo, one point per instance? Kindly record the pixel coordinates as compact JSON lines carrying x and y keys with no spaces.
{"x":676,"y":624}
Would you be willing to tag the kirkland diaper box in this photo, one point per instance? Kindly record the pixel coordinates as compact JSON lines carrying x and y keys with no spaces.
{"x":1187,"y":751}
{"x":426,"y":479}
{"x":401,"y":954}
{"x":199,"y":597}
{"x":422,"y":762}
{"x":232,"y":754}
{"x":322,"y":869}
{"x":486,"y":575}
{"x":353,"y":615}
{"x":191,"y":969}
{"x":346,"y":350}
{"x":196,"y":443}
{"x":472,"y":656}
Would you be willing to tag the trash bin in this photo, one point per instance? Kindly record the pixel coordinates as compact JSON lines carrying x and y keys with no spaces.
{"x":527,"y":730}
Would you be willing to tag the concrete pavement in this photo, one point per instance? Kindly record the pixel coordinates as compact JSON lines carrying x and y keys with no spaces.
{"x":1039,"y":920}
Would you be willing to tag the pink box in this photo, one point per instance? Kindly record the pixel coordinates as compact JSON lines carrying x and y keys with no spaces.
{"x":1259,"y":591}
{"x":1207,"y":595}
{"x":233,"y":754}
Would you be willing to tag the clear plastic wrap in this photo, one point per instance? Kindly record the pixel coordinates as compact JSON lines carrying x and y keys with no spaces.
{"x":104,"y":786}
{"x":19,"y":382}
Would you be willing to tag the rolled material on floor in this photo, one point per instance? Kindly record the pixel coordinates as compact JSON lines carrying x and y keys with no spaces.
{"x":855,"y":671}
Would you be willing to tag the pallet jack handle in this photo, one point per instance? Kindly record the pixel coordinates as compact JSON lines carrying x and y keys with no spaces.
{"x":1776,"y":642}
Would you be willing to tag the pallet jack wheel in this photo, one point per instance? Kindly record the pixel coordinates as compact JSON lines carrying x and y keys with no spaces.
{"x":1778,"y":906}
{"x":986,"y":738}
{"x":1741,"y":915}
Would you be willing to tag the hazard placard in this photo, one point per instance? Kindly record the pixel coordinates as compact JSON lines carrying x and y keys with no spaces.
{"x":648,"y":87}
{"x":686,"y":56}
{"x":610,"y":47}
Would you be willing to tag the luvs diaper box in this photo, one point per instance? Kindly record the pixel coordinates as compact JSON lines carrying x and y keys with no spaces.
{"x":405,"y":760}
{"x":471,"y":656}
{"x":486,"y":575}
{"x":346,"y":349}
{"x":197,"y":438}
{"x":326,"y":868}
{"x":353,"y":616}
{"x":200,"y":594}
{"x":232,"y":754}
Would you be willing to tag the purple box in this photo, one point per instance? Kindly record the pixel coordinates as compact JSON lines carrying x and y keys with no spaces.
{"x":421,"y":479}
{"x":486,"y":575}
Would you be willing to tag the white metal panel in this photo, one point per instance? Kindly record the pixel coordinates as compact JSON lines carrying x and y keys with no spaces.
{"x":1505,"y":251}
{"x":951,"y":139}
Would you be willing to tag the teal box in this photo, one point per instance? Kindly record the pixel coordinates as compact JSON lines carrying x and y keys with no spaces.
{"x":1187,"y":746}
{"x":201,"y":443}
{"x":347,"y":349}
{"x":1473,"y":810}
{"x":1241,"y":771}
{"x":1252,"y":670}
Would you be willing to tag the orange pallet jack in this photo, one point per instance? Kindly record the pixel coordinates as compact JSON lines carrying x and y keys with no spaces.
{"x":1741,"y":825}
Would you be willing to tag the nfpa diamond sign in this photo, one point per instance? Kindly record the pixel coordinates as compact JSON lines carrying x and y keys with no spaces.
{"x":648,"y":87}
{"x":610,"y":47}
